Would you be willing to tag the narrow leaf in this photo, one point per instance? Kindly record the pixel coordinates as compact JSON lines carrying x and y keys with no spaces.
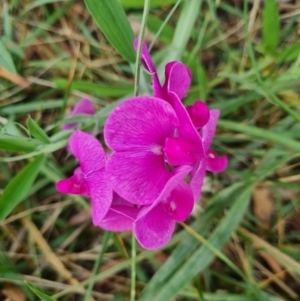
{"x":36,"y":131}
{"x":18,"y":188}
{"x":264,"y":135}
{"x":140,"y":3}
{"x":17,"y":144}
{"x":6,"y":60}
{"x":7,"y":22}
{"x":288,"y":54}
{"x":111,"y":19}
{"x":97,"y":89}
{"x":38,"y":293}
{"x":270,"y":28}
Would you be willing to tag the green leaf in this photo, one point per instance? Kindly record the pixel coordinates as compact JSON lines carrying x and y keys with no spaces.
{"x":38,"y":293}
{"x":6,"y":22}
{"x":6,"y":60}
{"x":17,"y":189}
{"x":270,"y":30}
{"x":38,"y":3}
{"x":111,"y":19}
{"x":288,"y":54}
{"x":97,"y":89}
{"x":36,"y":131}
{"x":265,"y":135}
{"x":17,"y":144}
{"x":140,"y":3}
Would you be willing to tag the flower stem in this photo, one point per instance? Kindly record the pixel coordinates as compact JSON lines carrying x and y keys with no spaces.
{"x":106,"y":238}
{"x":139,"y":50}
{"x":133,"y":268}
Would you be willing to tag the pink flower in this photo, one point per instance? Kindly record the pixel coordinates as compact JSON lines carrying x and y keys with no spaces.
{"x":84,"y":106}
{"x":144,"y":133}
{"x":177,"y":82}
{"x":90,"y":179}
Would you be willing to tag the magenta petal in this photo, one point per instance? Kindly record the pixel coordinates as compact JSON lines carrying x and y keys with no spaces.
{"x":120,"y":216}
{"x":199,"y":113}
{"x":214,"y":163}
{"x":175,"y":180}
{"x":88,"y":151}
{"x":179,"y":204}
{"x":146,"y":58}
{"x":138,"y":177}
{"x":197,"y":179}
{"x":139,"y":123}
{"x":208,"y":131}
{"x":92,"y":159}
{"x":178,"y":79}
{"x":186,"y":127}
{"x":76,"y":184}
{"x":155,"y":229}
{"x":101,"y":195}
{"x":84,"y":106}
{"x":181,"y":151}
{"x":72,"y":186}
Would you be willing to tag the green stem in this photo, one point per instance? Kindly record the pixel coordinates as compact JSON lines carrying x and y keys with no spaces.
{"x":133,"y":268}
{"x":139,"y":50}
{"x":106,"y":238}
{"x":164,"y":24}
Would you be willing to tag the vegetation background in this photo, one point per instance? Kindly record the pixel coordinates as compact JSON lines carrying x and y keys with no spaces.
{"x":242,"y":242}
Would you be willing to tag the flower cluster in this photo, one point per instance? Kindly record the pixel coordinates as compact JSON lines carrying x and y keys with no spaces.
{"x":159,"y":154}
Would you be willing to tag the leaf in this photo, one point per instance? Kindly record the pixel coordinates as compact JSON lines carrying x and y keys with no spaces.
{"x":140,"y":3}
{"x":289,"y":53}
{"x":38,"y":293}
{"x":18,"y":144}
{"x":270,"y":30}
{"x":111,"y":19}
{"x":36,"y":131}
{"x":97,"y":89}
{"x":18,"y":188}
{"x":38,"y":3}
{"x":6,"y":60}
{"x":7,"y":26}
{"x":265,"y":135}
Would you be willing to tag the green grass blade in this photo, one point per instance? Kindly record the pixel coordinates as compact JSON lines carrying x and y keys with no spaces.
{"x":270,"y":28}
{"x":38,"y":293}
{"x":111,"y":19}
{"x":7,"y":26}
{"x":6,"y":60}
{"x":140,"y":3}
{"x":36,"y":131}
{"x":276,"y":138}
{"x":18,"y":188}
{"x":97,"y":89}
{"x":18,"y":144}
